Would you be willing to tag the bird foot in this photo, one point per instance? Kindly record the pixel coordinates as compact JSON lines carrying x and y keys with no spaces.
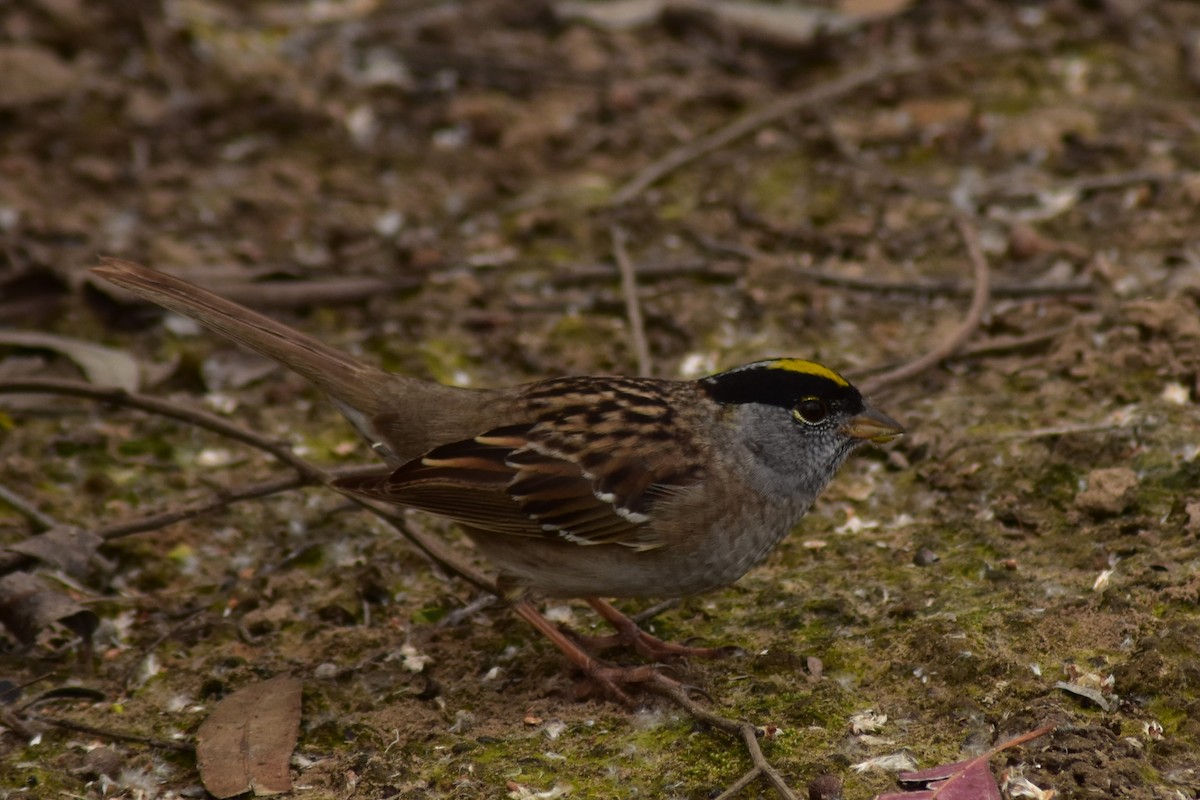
{"x":651,"y":646}
{"x":629,"y":634}
{"x":613,"y":680}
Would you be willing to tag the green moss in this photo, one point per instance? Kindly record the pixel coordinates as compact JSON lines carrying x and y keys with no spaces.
{"x":784,"y":191}
{"x":30,"y":771}
{"x":428,"y":615}
{"x":1169,"y":713}
{"x":443,"y":359}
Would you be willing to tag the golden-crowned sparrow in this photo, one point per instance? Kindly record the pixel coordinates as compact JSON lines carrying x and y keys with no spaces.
{"x":582,"y":486}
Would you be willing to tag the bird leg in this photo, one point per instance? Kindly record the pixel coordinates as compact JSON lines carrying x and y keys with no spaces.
{"x":630,"y":635}
{"x":608,"y":676}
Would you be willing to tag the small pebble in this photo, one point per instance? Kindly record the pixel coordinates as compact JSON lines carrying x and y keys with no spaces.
{"x":1109,"y":491}
{"x":924,"y":557}
{"x":825,"y":787}
{"x":102,"y":761}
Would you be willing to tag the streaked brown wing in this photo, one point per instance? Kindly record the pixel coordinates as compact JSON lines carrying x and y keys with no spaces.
{"x":540,"y":479}
{"x":464,"y":481}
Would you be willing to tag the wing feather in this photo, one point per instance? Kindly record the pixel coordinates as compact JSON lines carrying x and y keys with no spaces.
{"x":549,"y":477}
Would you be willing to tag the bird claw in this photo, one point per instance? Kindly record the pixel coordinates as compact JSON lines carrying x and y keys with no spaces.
{"x":611,"y":679}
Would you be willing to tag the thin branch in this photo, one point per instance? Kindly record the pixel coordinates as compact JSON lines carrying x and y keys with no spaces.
{"x":877,"y":286}
{"x":999,"y":345}
{"x":28,"y":510}
{"x":221,"y":499}
{"x":1062,"y":430}
{"x":1012,"y":344}
{"x":748,"y":777}
{"x":70,"y":725}
{"x":894,"y":65}
{"x":951,"y":344}
{"x":1007,"y":187}
{"x":11,"y":561}
{"x":822,"y":93}
{"x":291,"y":294}
{"x":1028,"y":736}
{"x":308,"y":472}
{"x":661,"y":270}
{"x":165,"y":408}
{"x":633,"y":306}
{"x":440,"y":553}
{"x":748,"y":732}
{"x":953,"y":289}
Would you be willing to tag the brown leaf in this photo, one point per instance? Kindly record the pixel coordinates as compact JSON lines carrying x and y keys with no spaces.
{"x":33,"y":75}
{"x":26,"y":607}
{"x":103,"y":366}
{"x":963,"y":780}
{"x":247,"y":741}
{"x":872,"y":10}
{"x":64,"y":547}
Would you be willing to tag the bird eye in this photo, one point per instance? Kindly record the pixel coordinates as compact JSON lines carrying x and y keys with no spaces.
{"x":810,"y":410}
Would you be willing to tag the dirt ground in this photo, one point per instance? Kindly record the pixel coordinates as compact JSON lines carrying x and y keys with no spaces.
{"x":436,"y":185}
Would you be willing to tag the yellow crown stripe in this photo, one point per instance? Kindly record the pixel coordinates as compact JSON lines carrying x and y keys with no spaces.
{"x":808,"y":368}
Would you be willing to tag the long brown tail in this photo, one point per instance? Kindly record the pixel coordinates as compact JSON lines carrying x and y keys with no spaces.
{"x":361,"y":386}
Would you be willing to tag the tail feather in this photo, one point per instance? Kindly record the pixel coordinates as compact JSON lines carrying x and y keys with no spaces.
{"x":402,"y":417}
{"x":348,"y":380}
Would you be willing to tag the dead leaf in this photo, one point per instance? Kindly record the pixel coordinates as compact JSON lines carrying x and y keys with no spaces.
{"x":871,"y":10}
{"x":27,"y":607}
{"x":103,"y":366}
{"x":64,"y":547}
{"x":1043,"y":131}
{"x":247,"y":741}
{"x":1089,"y":692}
{"x":786,"y":25}
{"x":971,"y":779}
{"x":794,"y":24}
{"x":234,"y":369}
{"x":33,"y":75}
{"x":963,"y":780}
{"x":618,"y":15}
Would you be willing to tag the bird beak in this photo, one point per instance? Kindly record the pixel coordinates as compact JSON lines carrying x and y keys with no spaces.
{"x":873,"y":426}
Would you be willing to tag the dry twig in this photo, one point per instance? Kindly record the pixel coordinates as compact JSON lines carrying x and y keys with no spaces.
{"x":925,"y":288}
{"x":26,"y":509}
{"x":748,"y":732}
{"x":165,"y":408}
{"x":309,"y":473}
{"x":950,"y":288}
{"x":894,"y":65}
{"x":70,"y":725}
{"x":633,"y":306}
{"x":1005,"y":186}
{"x":951,"y":344}
{"x":821,"y":93}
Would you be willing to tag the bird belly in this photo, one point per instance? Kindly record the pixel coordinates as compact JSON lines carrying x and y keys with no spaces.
{"x":703,"y":559}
